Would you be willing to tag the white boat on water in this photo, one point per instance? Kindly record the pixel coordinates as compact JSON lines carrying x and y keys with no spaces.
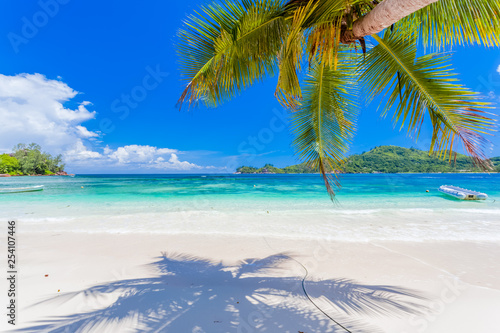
{"x":462,"y":193}
{"x":21,"y":189}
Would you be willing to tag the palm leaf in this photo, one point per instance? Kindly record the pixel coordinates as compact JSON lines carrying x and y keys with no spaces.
{"x":322,"y":11}
{"x":288,"y":91}
{"x":228,"y":46}
{"x":426,"y":85}
{"x":315,"y":26}
{"x":450,"y":22}
{"x":325,"y":122}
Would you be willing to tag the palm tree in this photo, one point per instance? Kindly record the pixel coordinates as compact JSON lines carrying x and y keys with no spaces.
{"x":230,"y":44}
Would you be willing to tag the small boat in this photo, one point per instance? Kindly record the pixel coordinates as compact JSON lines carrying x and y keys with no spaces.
{"x":462,"y":193}
{"x":21,"y":189}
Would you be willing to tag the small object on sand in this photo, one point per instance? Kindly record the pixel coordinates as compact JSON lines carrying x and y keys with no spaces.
{"x":46,"y":275}
{"x":58,"y":290}
{"x":268,"y":212}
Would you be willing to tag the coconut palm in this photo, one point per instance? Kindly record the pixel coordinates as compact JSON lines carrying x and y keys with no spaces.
{"x":349,"y":51}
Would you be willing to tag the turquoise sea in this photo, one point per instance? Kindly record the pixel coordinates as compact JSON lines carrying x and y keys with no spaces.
{"x":368,"y":207}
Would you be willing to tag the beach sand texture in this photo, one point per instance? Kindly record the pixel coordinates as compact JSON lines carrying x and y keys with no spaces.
{"x":196,"y":283}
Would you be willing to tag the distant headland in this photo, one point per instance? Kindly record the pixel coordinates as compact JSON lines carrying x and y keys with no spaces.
{"x":29,"y":160}
{"x":385,"y":159}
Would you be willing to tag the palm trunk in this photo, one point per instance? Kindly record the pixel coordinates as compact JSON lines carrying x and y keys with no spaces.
{"x":385,"y":14}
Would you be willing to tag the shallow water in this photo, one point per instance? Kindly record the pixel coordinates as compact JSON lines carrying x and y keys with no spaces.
{"x":368,"y":207}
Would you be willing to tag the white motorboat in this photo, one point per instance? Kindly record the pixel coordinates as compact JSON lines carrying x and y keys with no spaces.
{"x":462,"y":193}
{"x":21,"y":189}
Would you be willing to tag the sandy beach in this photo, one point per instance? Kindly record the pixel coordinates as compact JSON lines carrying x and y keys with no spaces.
{"x":82,"y":282}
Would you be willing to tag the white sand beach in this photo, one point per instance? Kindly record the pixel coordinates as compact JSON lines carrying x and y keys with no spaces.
{"x":103,"y":282}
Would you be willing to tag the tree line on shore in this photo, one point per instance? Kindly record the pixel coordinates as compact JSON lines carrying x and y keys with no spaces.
{"x":30,"y":160}
{"x":386,"y":159}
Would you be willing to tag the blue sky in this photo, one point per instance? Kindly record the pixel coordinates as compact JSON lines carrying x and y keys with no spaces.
{"x":98,"y":82}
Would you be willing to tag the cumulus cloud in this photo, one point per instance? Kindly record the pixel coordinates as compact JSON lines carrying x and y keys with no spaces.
{"x":32,"y":110}
{"x":80,"y":153}
{"x":85,"y":133}
{"x":132,"y":157}
{"x":138,"y":154}
{"x":498,"y":69}
{"x":174,"y":164}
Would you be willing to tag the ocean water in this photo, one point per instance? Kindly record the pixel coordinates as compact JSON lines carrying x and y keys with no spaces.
{"x":368,"y":207}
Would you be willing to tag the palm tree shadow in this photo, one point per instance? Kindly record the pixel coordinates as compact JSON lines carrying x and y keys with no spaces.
{"x":191,"y":294}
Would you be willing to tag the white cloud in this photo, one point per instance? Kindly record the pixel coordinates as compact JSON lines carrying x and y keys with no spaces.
{"x":498,"y":69}
{"x":134,"y":158}
{"x":32,"y":110}
{"x":85,"y":133}
{"x":149,"y":157}
{"x":174,"y":164}
{"x":80,"y":153}
{"x":138,"y":154}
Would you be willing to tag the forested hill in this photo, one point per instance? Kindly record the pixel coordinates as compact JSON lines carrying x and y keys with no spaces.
{"x":386,"y":159}
{"x":30,"y":160}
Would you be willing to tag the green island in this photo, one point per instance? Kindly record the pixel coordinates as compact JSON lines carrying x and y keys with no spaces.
{"x":386,"y":159}
{"x":29,"y":160}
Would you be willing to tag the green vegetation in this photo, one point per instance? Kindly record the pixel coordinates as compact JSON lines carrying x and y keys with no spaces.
{"x":268,"y":168}
{"x":299,"y":168}
{"x":9,"y":165}
{"x":331,"y":57}
{"x":391,"y":159}
{"x":246,"y":169}
{"x":496,"y":163}
{"x":30,"y":160}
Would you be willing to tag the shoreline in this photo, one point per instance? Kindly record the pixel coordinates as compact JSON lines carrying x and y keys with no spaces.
{"x":355,"y":283}
{"x":65,"y":175}
{"x":371,"y":173}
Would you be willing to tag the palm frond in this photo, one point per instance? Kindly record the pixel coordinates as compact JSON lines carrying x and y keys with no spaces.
{"x":426,"y":85}
{"x":325,"y":122}
{"x":288,"y":91}
{"x":323,"y":42}
{"x":329,"y":10}
{"x":451,"y":22}
{"x":228,"y":46}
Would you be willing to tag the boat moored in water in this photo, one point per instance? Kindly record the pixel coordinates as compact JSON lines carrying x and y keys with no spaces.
{"x":21,"y":189}
{"x":462,"y":193}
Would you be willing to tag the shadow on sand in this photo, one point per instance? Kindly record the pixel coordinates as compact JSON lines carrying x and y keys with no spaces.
{"x":194,"y":295}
